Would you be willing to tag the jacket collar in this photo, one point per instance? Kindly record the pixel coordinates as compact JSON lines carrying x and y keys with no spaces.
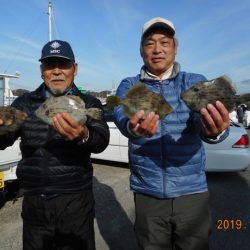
{"x":145,"y":75}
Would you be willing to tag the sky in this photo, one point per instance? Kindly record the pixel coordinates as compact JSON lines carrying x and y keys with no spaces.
{"x":213,"y":35}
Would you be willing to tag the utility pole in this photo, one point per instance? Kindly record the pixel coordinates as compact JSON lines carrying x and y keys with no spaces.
{"x":49,"y":14}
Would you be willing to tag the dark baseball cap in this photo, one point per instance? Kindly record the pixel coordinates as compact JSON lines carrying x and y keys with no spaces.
{"x":57,"y":48}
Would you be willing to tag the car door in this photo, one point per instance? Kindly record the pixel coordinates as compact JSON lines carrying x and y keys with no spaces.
{"x":112,"y":152}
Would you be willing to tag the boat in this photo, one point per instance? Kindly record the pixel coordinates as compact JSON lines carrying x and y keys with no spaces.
{"x":6,"y":94}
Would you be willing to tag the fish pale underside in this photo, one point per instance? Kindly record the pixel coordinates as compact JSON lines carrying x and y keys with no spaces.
{"x":71,"y":104}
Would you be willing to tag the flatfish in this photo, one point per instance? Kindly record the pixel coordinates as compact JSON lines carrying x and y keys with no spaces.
{"x":140,"y":98}
{"x":218,"y":89}
{"x":71,"y":104}
{"x":12,"y":119}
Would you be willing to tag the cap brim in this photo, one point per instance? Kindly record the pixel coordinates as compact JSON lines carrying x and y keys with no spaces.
{"x":160,"y":25}
{"x":54,"y":56}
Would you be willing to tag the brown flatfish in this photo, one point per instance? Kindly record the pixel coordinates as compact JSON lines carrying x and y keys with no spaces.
{"x":12,"y":119}
{"x":219,"y":89}
{"x":140,"y":98}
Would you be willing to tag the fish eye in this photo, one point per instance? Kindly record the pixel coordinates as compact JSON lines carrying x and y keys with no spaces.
{"x":196,"y":89}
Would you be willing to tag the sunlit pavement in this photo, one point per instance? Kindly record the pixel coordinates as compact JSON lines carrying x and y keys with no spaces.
{"x":230,"y":206}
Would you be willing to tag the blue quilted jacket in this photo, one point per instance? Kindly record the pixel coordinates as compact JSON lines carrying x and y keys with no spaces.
{"x":171,"y":163}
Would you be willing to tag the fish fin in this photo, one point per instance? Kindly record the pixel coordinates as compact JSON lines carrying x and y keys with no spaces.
{"x":138,"y":87}
{"x":244,"y":98}
{"x":112,"y":101}
{"x":228,"y":81}
{"x":94,"y":113}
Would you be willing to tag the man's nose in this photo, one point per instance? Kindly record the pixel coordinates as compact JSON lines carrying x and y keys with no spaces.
{"x":157,"y":48}
{"x":56,"y":70}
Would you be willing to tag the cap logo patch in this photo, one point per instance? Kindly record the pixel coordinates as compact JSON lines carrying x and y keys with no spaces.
{"x":55,"y":45}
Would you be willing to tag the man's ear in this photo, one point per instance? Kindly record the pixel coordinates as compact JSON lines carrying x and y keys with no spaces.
{"x":141,"y":52}
{"x":41,"y":70}
{"x":76,"y":69}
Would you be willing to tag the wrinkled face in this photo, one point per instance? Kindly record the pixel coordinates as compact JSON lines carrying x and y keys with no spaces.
{"x":58,"y":74}
{"x":158,"y":51}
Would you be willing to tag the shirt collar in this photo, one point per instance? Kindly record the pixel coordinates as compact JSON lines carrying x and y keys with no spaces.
{"x":165,"y":76}
{"x":169,"y":73}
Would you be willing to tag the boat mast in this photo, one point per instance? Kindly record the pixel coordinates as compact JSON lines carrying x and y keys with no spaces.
{"x":49,"y":14}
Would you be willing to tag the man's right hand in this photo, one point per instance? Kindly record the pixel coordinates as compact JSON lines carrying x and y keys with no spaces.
{"x":146,"y":127}
{"x":1,"y":122}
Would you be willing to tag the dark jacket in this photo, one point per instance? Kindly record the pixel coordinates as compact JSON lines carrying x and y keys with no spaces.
{"x":51,"y":164}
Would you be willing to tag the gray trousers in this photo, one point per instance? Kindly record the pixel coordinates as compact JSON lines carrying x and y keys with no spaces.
{"x":182,"y":223}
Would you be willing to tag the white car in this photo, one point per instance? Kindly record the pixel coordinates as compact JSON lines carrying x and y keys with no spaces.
{"x":233,"y":154}
{"x":8,"y":163}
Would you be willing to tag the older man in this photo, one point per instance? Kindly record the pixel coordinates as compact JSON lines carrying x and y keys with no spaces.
{"x":55,"y":171}
{"x":167,"y":157}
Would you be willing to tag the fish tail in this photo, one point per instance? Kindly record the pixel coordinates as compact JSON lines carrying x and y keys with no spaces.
{"x":94,"y":113}
{"x":244,"y":98}
{"x":112,"y":101}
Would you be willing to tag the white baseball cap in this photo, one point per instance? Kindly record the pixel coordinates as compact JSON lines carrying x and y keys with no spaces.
{"x":158,"y":22}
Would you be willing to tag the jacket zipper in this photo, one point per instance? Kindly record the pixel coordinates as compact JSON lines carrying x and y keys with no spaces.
{"x":162,"y":147}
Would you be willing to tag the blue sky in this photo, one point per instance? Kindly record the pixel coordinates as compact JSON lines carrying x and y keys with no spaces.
{"x":214,"y":37}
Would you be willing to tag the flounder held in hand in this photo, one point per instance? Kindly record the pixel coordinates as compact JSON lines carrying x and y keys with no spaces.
{"x":71,"y":104}
{"x":140,"y":98}
{"x":219,"y":89}
{"x":12,"y":119}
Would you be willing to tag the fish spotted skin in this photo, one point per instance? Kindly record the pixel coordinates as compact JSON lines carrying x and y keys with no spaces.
{"x":12,"y":119}
{"x":71,"y":104}
{"x":140,"y":98}
{"x":219,"y":89}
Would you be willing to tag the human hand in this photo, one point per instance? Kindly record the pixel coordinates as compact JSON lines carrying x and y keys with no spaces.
{"x":146,"y":127}
{"x":214,"y":119}
{"x":68,"y":127}
{"x":1,"y":122}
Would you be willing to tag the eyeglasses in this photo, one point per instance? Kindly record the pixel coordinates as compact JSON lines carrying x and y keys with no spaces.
{"x":61,"y":63}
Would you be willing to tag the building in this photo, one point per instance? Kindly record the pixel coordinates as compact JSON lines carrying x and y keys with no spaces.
{"x":6,"y":95}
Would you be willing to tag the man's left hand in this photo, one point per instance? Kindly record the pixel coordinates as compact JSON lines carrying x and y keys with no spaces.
{"x":214,"y":119}
{"x":68,"y":127}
